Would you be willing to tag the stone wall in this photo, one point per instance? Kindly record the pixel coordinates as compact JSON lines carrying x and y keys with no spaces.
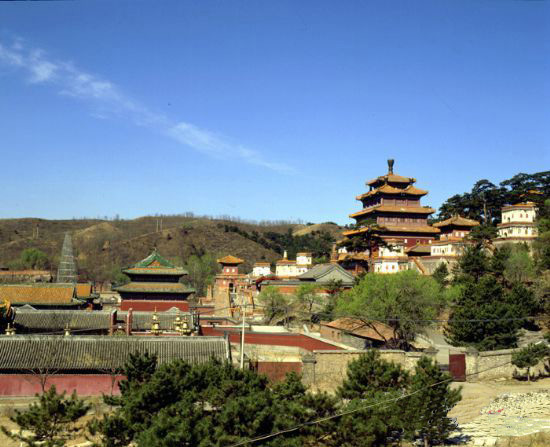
{"x":325,"y":370}
{"x":491,"y":365}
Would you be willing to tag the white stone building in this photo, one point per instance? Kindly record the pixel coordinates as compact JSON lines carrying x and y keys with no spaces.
{"x":518,"y":223}
{"x":261,"y":269}
{"x":391,"y":258}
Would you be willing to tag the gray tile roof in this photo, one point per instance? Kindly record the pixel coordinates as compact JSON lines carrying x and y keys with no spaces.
{"x":321,"y":272}
{"x":80,"y":321}
{"x":57,"y":320}
{"x":102,"y":353}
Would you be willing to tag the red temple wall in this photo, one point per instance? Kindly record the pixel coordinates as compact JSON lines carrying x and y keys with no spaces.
{"x":277,"y":371}
{"x":83,"y":384}
{"x":273,"y":339}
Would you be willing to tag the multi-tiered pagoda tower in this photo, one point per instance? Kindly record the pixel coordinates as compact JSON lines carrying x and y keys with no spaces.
{"x":392,"y":208}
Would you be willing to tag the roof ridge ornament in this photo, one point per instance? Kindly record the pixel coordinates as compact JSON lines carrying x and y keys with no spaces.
{"x":390,"y":166}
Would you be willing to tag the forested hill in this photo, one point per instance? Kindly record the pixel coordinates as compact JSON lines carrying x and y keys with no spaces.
{"x":484,"y":201}
{"x":102,"y":247}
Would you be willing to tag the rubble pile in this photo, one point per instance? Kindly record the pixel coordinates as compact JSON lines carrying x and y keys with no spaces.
{"x":534,"y":404}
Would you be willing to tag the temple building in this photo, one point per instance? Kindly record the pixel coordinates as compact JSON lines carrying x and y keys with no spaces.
{"x":229,"y":286}
{"x":455,"y":228}
{"x":392,"y":210}
{"x":518,"y":223}
{"x":154,"y":284}
{"x":285,"y":268}
{"x":451,"y":244}
{"x":261,"y":269}
{"x":391,"y":258}
{"x":392,"y":204}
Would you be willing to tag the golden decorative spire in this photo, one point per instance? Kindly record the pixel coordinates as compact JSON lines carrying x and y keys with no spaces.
{"x":178,"y":324}
{"x":155,"y":325}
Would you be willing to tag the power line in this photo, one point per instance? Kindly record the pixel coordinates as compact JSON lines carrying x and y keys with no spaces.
{"x":344,"y":413}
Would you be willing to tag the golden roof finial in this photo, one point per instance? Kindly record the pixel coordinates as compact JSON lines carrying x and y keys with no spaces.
{"x":155,"y":325}
{"x":390,"y":166}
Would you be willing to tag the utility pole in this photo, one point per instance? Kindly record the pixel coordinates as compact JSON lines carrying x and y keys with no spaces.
{"x":243,"y":311}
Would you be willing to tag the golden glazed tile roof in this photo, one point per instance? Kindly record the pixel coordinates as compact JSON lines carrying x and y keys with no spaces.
{"x":391,"y":178}
{"x":83,"y":290}
{"x":38,"y":293}
{"x":396,"y":229}
{"x":519,"y":206}
{"x":230,"y":260}
{"x":395,"y":209}
{"x":457,"y":221}
{"x":387,"y":189}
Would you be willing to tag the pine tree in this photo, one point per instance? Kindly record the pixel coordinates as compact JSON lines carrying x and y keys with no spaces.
{"x":51,"y":421}
{"x":375,"y":422}
{"x":430,"y":400}
{"x":441,"y":274}
{"x":211,"y":404}
{"x":369,"y":374}
{"x":483,"y":317}
{"x":530,"y":356}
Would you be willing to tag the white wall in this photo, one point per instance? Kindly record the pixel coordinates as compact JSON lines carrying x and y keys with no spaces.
{"x":261,"y":270}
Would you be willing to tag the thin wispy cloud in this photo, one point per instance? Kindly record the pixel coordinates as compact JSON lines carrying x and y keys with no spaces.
{"x":107,"y":100}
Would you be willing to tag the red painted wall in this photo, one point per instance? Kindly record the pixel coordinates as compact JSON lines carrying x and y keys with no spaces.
{"x":83,"y":384}
{"x":151,"y":305}
{"x":277,"y":371}
{"x":258,"y":338}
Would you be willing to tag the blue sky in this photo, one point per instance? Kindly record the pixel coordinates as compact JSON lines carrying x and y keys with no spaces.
{"x":264,"y":109}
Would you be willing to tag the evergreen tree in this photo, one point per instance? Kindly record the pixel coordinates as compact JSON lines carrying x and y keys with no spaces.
{"x":211,"y":404}
{"x":370,"y":374}
{"x":376,"y":421}
{"x":430,"y":400}
{"x":530,"y":356}
{"x":50,"y":422}
{"x":473,"y":264}
{"x":441,"y":274}
{"x":483,"y":316}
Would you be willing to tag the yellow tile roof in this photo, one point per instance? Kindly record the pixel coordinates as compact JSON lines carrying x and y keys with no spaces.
{"x":38,"y":293}
{"x":392,"y":178}
{"x":83,"y":290}
{"x":458,"y":221}
{"x":396,"y":229}
{"x":387,"y":189}
{"x":395,"y":209}
{"x":230,"y":260}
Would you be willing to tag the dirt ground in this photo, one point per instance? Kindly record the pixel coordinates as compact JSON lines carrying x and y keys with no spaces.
{"x":475,"y":396}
